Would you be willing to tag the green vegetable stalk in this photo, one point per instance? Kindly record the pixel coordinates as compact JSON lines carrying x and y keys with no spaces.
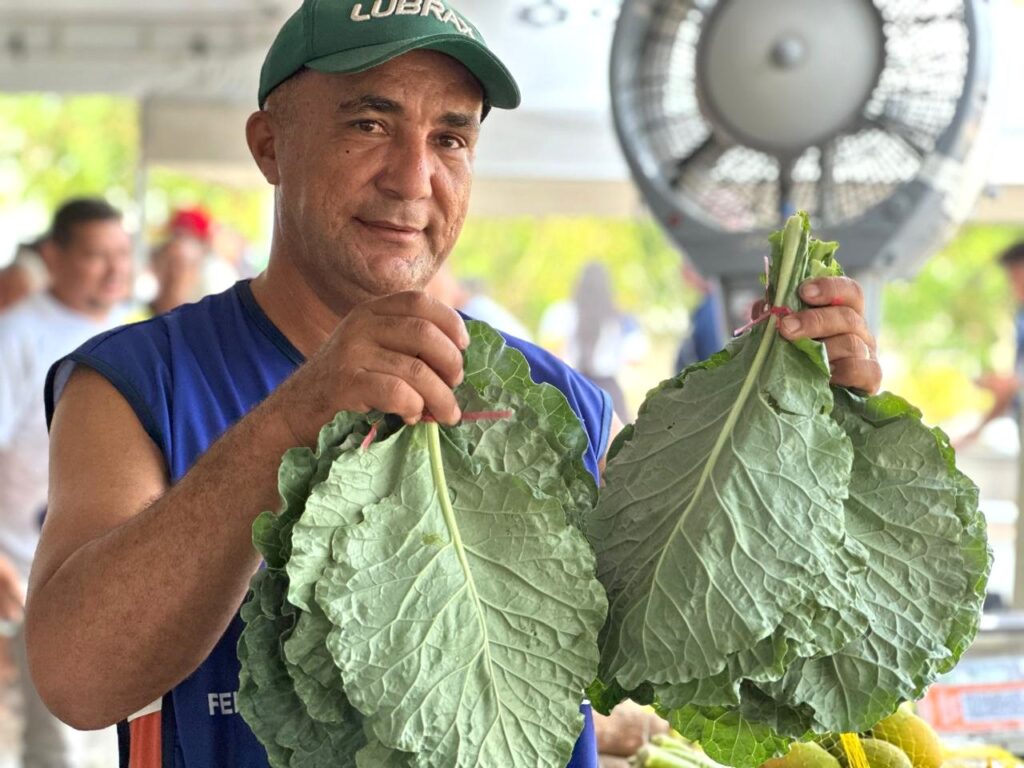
{"x":781,"y":557}
{"x":428,"y":598}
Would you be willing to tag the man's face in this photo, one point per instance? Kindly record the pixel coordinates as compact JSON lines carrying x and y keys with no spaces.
{"x":1015,"y":275}
{"x":374,"y":172}
{"x":176,"y":265}
{"x":92,"y":272}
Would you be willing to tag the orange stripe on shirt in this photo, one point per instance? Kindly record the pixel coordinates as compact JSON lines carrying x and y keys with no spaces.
{"x":145,"y":746}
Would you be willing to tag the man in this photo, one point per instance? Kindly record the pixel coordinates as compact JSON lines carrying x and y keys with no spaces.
{"x":1005,"y":387}
{"x":88,"y":257}
{"x":167,"y":436}
{"x":24,"y":276}
{"x":176,"y":264}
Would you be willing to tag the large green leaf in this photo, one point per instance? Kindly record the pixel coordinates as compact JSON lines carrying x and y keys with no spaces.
{"x":347,"y":481}
{"x":726,"y":737}
{"x":466,"y":611}
{"x":267,"y":699}
{"x":924,"y":583}
{"x":902,"y":565}
{"x":721,"y":520}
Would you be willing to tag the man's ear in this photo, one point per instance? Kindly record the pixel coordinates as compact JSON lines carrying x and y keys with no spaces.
{"x":259,"y":133}
{"x":49,"y":251}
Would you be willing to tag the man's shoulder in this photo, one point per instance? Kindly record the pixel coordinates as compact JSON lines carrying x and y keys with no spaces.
{"x":540,"y":359}
{"x":28,"y":311}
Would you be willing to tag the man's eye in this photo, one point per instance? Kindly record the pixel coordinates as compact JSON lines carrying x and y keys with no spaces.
{"x":451,"y":142}
{"x":368,"y":126}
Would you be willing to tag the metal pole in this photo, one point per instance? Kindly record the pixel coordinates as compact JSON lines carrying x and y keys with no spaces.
{"x":141,"y":187}
{"x":1018,"y":553}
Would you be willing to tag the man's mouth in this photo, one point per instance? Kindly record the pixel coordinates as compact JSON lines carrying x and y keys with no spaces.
{"x":391,"y":231}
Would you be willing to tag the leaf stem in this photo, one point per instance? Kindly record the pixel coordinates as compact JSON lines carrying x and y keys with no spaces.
{"x":444,"y":500}
{"x":791,"y":244}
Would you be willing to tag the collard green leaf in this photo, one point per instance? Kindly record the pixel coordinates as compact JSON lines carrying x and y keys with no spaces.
{"x":924,"y":583}
{"x":497,"y":377}
{"x":726,"y":736}
{"x":294,"y":690}
{"x":909,"y":541}
{"x":706,"y":541}
{"x":267,"y":699}
{"x":466,"y":612}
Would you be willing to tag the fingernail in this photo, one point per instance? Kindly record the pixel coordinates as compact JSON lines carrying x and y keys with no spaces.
{"x":458,"y":416}
{"x":791,"y":325}
{"x":464,"y":341}
{"x":810,"y":291}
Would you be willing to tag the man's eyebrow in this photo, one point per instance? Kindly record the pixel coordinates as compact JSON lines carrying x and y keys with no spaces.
{"x":461,"y":120}
{"x":371,"y":103}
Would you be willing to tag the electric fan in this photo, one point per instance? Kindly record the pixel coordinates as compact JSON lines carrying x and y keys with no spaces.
{"x":734,"y":113}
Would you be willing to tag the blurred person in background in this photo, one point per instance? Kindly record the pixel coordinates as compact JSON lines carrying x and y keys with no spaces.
{"x":177,"y":266}
{"x":25,"y":275}
{"x":472,"y":301}
{"x":89,"y":258}
{"x":707,"y":322}
{"x":593,"y":335}
{"x":1005,"y":387}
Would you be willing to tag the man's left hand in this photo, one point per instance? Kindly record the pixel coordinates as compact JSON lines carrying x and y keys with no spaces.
{"x":836,"y":318}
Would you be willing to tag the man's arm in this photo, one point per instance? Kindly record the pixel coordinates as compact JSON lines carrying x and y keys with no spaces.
{"x":135,"y":576}
{"x":133,"y":584}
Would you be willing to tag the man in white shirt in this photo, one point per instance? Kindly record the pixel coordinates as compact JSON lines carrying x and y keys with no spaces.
{"x":89,"y":257}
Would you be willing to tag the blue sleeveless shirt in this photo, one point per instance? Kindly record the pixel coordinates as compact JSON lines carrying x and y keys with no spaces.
{"x":189,"y":376}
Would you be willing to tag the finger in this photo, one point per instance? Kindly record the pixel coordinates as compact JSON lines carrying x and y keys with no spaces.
{"x":825,"y":322}
{"x":847,"y":346}
{"x":865,"y":375}
{"x":833,"y":291}
{"x":416,"y":337}
{"x":435,"y":396}
{"x":419,"y":304}
{"x":389,"y":394}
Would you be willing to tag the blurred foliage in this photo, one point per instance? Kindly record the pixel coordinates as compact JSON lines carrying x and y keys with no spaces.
{"x":533,"y":263}
{"x":958,"y":304}
{"x":53,"y":148}
{"x":950,"y":323}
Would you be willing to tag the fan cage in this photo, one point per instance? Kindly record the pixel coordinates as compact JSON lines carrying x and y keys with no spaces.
{"x":734,"y":188}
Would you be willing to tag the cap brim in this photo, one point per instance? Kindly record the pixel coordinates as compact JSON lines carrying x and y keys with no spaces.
{"x":499,"y":85}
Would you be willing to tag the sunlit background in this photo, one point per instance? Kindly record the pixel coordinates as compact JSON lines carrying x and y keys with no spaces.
{"x":145,"y":103}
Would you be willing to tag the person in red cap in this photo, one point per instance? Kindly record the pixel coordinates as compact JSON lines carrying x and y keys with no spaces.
{"x":193,"y":222}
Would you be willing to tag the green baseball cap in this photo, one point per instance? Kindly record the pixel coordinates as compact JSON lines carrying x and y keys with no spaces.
{"x":349,"y":36}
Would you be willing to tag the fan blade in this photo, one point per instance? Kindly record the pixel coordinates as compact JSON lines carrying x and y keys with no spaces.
{"x":704,"y":155}
{"x":902,"y":131}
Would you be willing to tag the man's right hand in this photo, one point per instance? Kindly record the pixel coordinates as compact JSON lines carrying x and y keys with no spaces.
{"x":401,"y":354}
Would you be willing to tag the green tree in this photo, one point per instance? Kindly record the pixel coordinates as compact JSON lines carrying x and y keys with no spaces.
{"x":54,"y":147}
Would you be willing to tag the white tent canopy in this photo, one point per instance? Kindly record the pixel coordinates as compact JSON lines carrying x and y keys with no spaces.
{"x":194,"y":66}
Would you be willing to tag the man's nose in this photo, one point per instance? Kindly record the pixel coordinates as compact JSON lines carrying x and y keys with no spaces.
{"x":408,"y":170}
